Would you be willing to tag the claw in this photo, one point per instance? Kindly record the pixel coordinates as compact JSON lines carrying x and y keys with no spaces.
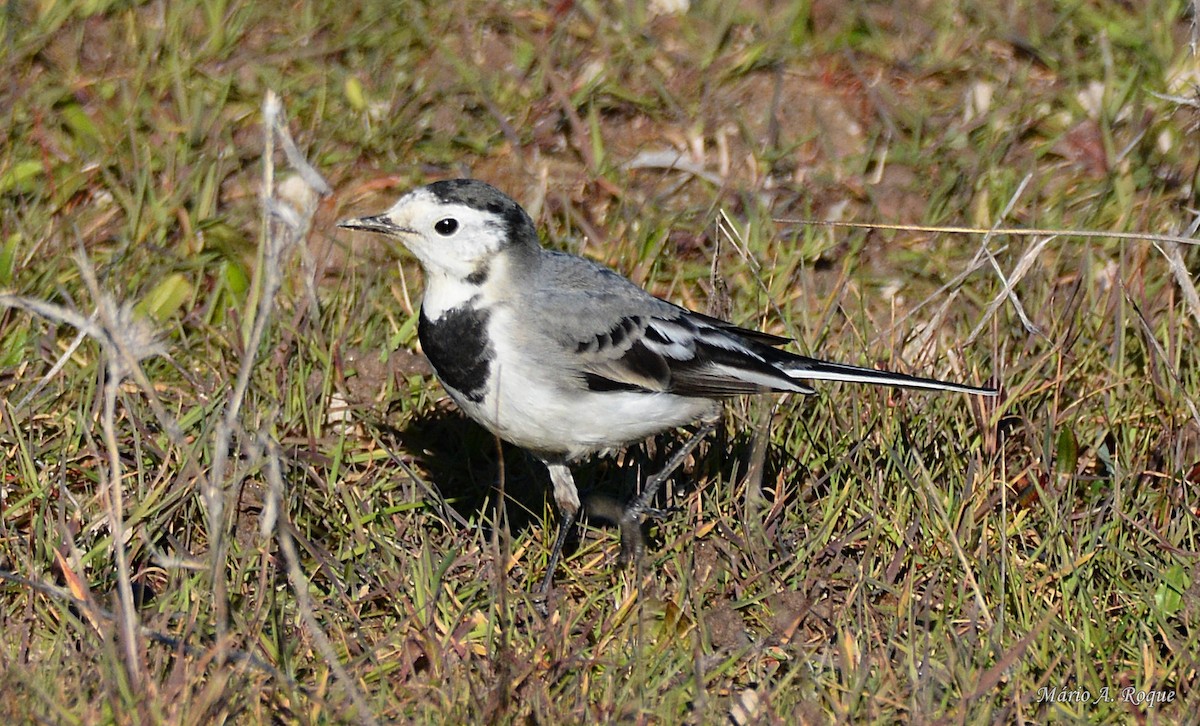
{"x":633,"y":541}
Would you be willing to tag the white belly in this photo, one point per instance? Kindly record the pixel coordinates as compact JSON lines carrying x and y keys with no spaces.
{"x":536,"y":402}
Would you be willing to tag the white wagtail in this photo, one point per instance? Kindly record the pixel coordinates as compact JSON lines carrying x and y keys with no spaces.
{"x":565,"y":358}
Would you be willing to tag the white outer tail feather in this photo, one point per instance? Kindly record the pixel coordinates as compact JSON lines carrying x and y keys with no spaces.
{"x":822,"y":371}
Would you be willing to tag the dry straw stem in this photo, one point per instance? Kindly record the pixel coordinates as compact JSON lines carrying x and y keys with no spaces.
{"x":128,"y":340}
{"x":1183,"y":278}
{"x":1167,"y":244}
{"x":287,"y":219}
{"x":999,"y":231}
{"x":283,"y":226}
{"x":125,"y":340}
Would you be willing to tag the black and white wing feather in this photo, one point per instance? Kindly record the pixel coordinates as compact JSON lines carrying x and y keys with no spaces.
{"x":621,"y":338}
{"x":683,"y":354}
{"x":689,"y":354}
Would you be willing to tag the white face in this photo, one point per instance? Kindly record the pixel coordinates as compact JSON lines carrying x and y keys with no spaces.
{"x":451,"y":240}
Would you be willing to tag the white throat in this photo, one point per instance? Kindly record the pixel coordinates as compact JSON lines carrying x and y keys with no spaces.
{"x":444,"y":291}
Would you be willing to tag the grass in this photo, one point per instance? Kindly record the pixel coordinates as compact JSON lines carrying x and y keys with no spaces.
{"x":309,"y":532}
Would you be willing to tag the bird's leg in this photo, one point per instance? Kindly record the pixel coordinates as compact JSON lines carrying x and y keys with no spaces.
{"x":566,"y":522}
{"x":566,"y":496}
{"x":632,"y":543}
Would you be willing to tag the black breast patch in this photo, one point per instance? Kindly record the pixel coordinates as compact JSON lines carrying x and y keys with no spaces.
{"x":458,"y":347}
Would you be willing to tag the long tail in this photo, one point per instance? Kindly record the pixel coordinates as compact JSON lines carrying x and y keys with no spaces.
{"x":812,"y":369}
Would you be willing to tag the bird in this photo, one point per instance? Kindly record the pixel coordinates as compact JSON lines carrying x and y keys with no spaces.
{"x":565,"y":358}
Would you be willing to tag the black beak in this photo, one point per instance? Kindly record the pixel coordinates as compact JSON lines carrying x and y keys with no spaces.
{"x":379,"y":223}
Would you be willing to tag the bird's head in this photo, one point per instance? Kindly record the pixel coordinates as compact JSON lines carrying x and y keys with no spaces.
{"x":455,"y":228}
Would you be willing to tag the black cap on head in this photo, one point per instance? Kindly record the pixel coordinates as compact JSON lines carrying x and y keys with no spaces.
{"x":485,"y":197}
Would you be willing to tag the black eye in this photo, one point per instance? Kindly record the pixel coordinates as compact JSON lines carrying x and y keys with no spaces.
{"x":446,"y":227}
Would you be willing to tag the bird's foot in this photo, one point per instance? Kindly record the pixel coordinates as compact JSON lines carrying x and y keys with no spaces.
{"x":564,"y":530}
{"x":633,"y":538}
